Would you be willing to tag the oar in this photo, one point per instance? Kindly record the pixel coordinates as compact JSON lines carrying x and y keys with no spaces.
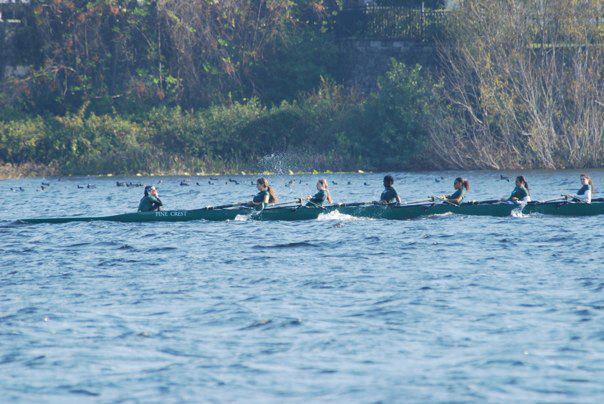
{"x":431,"y":199}
{"x":233,"y":205}
{"x":316,"y":205}
{"x":560,"y":199}
{"x":489,"y":201}
{"x":264,"y":206}
{"x":356,"y":204}
{"x":567,"y":198}
{"x":377,"y":203}
{"x":445,"y":200}
{"x":297,"y":201}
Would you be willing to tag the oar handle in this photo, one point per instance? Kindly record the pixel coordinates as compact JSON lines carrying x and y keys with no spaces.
{"x":561,"y":198}
{"x":447,"y":202}
{"x":232,"y":205}
{"x":316,"y":205}
{"x":431,"y":199}
{"x":356,"y":204}
{"x":297,"y":200}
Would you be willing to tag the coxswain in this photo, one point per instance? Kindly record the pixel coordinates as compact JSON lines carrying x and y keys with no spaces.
{"x":389,"y":195}
{"x":150,"y":201}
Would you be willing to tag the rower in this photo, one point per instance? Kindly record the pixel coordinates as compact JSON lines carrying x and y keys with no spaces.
{"x":319,"y":198}
{"x":150,"y":202}
{"x":266,"y":194}
{"x":461,"y":185}
{"x":389,"y":195}
{"x":584,"y":194}
{"x":520,"y":195}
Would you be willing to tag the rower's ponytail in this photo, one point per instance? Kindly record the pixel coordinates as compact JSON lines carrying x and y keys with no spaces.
{"x":464,"y":183}
{"x":590,"y":182}
{"x":272,"y":196}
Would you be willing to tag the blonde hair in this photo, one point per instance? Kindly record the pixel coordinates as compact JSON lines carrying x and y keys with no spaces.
{"x":271,"y":192}
{"x":589,"y":181}
{"x":323,"y":182}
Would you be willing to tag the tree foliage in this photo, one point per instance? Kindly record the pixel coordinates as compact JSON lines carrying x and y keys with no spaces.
{"x":125,"y":54}
{"x":523,"y":87}
{"x":330,"y":128}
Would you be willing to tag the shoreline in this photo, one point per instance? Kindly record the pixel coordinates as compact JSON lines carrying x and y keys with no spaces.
{"x":15,"y":173}
{"x":254,"y":173}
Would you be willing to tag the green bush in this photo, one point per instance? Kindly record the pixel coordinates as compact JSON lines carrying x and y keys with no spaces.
{"x":327,"y":129}
{"x":19,"y":140}
{"x":395,"y":117}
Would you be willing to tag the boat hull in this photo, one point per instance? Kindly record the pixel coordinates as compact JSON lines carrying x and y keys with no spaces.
{"x":403,"y":212}
{"x":566,"y":209}
{"x":271,"y":214}
{"x":295,"y":213}
{"x":162,"y":216}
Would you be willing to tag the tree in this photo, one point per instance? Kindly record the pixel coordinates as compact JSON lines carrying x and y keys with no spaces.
{"x":523,"y":82}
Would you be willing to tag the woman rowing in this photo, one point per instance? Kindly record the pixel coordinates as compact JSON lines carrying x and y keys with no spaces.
{"x":461,"y":186}
{"x":389,"y":195}
{"x":521,"y":194}
{"x":266,"y":194}
{"x":150,"y":201}
{"x":323,"y":194}
{"x":584,"y":194}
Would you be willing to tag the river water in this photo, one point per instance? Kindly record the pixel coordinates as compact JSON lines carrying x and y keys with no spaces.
{"x":447,"y":308}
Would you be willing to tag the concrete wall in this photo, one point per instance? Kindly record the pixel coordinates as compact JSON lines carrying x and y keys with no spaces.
{"x":371,"y":59}
{"x":11,"y":65}
{"x":10,"y":13}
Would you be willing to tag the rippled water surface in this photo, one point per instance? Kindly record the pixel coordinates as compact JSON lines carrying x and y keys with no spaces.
{"x":440,"y":308}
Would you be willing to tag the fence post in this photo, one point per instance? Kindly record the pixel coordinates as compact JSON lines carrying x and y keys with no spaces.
{"x":3,"y":50}
{"x":389,"y":23}
{"x":422,"y":23}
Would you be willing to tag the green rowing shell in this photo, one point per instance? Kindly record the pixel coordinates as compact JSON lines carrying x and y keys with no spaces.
{"x":281,"y":213}
{"x":566,"y":209}
{"x":392,"y":212}
{"x":402,"y":212}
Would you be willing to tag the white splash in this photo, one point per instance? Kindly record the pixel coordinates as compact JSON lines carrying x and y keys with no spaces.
{"x":335,"y":215}
{"x":242,"y":218}
{"x":518,"y":213}
{"x":444,"y":214}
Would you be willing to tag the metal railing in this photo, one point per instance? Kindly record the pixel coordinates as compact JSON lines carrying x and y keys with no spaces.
{"x":391,"y":23}
{"x":11,"y":11}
